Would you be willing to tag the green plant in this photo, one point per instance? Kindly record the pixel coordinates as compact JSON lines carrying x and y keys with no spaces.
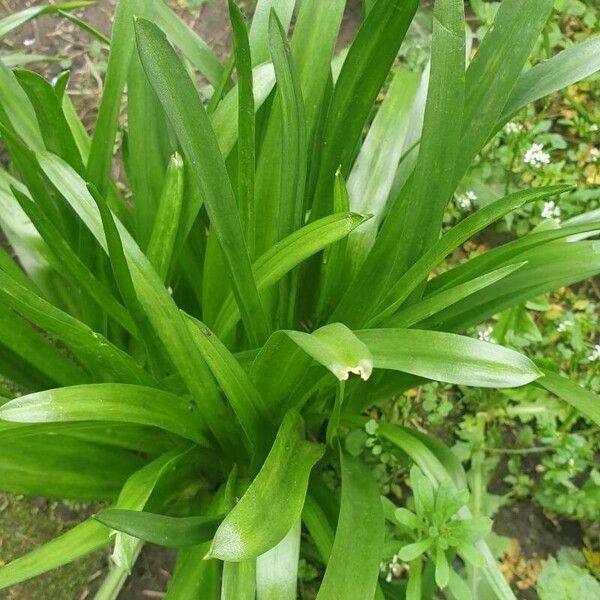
{"x":221,"y":436}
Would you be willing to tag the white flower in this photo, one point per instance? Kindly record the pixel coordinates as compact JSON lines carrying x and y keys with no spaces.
{"x":535,"y":156}
{"x":595,"y":355}
{"x":564,"y":326}
{"x":551,"y":211}
{"x":465,"y":201}
{"x":485,"y":335}
{"x":594,"y":153}
{"x":511,"y":127}
{"x":594,"y":127}
{"x":28,"y":42}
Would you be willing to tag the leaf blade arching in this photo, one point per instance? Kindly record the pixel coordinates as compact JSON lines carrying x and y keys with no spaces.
{"x":277,"y":492}
{"x":567,"y":67}
{"x":353,"y":566}
{"x":104,"y":402}
{"x":448,"y":357}
{"x":83,"y":539}
{"x":188,"y":117}
{"x":171,"y":532}
{"x":586,"y":402}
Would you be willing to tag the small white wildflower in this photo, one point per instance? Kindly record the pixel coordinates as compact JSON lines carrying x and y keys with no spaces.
{"x":593,"y":127}
{"x":564,"y":326}
{"x":511,"y":128}
{"x":535,"y":156}
{"x":485,"y":335}
{"x":28,"y":42}
{"x":465,"y":201}
{"x":594,"y":153}
{"x":595,"y":355}
{"x":551,"y":211}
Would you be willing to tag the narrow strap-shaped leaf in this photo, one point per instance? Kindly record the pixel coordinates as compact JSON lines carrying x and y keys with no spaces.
{"x":439,"y":149}
{"x":109,"y":402}
{"x":157,"y":303}
{"x":225,"y":119}
{"x":135,"y":494}
{"x":334,"y":270}
{"x":71,"y":264}
{"x":122,"y":46}
{"x":587,"y":403}
{"x":312,"y":51}
{"x":193,"y":47}
{"x":239,"y":389}
{"x":415,"y":217}
{"x":77,"y":542}
{"x":567,"y":67}
{"x":161,"y":248}
{"x":274,"y":500}
{"x":459,"y":234}
{"x":294,"y":157}
{"x":62,"y":466}
{"x":363,"y":73}
{"x":246,"y":127}
{"x":548,"y":268}
{"x":18,"y":335}
{"x":85,"y":26}
{"x":17,"y":19}
{"x":448,"y":357}
{"x":120,"y":269}
{"x":353,"y":567}
{"x":55,"y":130}
{"x":90,"y":347}
{"x":239,"y":580}
{"x":18,"y":110}
{"x":337,"y":349}
{"x":259,"y":30}
{"x":287,"y":254}
{"x":494,"y":71}
{"x":435,"y":303}
{"x":277,"y":569}
{"x":147,"y":150}
{"x":180,"y":100}
{"x":373,"y":173}
{"x":172,"y":532}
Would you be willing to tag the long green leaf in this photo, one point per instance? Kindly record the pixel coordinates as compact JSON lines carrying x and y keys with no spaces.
{"x":16,"y":19}
{"x":109,"y":402}
{"x":567,"y":67}
{"x":178,"y":95}
{"x":353,"y":567}
{"x":77,"y":542}
{"x":61,"y":466}
{"x":587,"y":403}
{"x":106,"y":360}
{"x":259,"y":38}
{"x":239,"y":580}
{"x":273,"y":502}
{"x":195,"y":577}
{"x":365,"y":69}
{"x":156,"y":300}
{"x":448,"y":357}
{"x":135,"y":494}
{"x":171,"y":532}
{"x":289,"y":253}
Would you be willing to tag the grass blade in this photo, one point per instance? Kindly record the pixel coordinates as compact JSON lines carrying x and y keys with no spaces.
{"x":353,"y":567}
{"x":17,"y":19}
